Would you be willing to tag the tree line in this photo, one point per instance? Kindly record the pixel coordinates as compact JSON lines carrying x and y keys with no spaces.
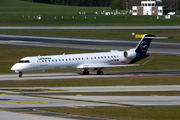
{"x":114,"y":4}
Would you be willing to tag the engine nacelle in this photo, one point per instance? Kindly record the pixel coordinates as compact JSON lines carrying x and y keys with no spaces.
{"x":130,"y":54}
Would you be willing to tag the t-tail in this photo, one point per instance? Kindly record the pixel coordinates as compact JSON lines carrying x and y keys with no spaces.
{"x":140,"y":52}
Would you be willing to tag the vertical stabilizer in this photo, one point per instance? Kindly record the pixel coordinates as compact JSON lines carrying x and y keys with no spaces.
{"x":144,"y":44}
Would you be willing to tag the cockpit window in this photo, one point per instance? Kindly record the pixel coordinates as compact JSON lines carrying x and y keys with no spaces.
{"x":24,"y":61}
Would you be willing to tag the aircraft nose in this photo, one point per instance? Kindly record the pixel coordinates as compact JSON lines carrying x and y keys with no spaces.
{"x":13,"y":68}
{"x":16,"y":67}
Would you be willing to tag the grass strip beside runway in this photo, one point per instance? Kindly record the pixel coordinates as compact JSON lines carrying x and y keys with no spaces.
{"x":130,"y":113}
{"x":130,"y":81}
{"x":21,"y":13}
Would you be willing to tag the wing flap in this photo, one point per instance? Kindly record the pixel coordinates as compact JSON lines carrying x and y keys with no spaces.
{"x":104,"y":66}
{"x":91,"y":66}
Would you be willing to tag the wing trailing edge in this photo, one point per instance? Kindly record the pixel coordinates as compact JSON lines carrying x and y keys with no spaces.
{"x":110,"y":66}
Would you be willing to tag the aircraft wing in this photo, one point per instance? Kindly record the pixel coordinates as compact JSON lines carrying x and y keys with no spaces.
{"x":104,"y":66}
{"x":91,"y":66}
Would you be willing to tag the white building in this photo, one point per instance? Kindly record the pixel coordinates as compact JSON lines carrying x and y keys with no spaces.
{"x":148,"y":8}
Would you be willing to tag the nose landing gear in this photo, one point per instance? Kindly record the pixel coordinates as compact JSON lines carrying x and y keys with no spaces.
{"x":20,"y":74}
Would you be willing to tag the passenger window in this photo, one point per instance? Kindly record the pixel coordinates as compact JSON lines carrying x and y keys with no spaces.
{"x":114,"y":56}
{"x":104,"y":56}
{"x":108,"y":56}
{"x":66,"y":59}
{"x":73,"y":59}
{"x":94,"y":57}
{"x":76,"y":58}
{"x":79,"y":59}
{"x":62,"y":59}
{"x":69,"y":59}
{"x":98,"y":57}
{"x":111,"y":56}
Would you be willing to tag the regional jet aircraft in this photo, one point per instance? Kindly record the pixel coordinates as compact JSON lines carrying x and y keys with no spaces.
{"x":95,"y":61}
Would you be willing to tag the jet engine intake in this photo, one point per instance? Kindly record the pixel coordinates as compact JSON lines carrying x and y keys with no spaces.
{"x":130,"y":54}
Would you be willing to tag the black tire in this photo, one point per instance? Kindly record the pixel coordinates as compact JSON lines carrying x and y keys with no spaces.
{"x":20,"y":74}
{"x":99,"y":72}
{"x":85,"y":72}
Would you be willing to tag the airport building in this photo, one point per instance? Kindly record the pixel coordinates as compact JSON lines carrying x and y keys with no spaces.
{"x":148,"y":8}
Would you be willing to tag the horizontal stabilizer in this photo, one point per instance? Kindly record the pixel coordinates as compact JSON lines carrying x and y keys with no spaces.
{"x":158,"y":37}
{"x":152,"y":37}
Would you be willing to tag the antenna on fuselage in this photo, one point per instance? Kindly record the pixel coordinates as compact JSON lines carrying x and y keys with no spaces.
{"x":39,"y":56}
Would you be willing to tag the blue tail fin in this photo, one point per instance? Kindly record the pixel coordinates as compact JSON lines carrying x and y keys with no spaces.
{"x":144,"y":44}
{"x":142,"y":47}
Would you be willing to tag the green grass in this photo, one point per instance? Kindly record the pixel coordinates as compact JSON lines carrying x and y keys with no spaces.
{"x":102,"y":34}
{"x":157,"y":80}
{"x":131,"y":113}
{"x":12,"y":12}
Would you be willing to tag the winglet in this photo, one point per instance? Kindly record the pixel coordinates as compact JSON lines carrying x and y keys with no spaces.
{"x":147,"y":61}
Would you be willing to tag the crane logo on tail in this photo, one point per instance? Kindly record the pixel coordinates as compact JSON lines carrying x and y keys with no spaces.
{"x":144,"y":46}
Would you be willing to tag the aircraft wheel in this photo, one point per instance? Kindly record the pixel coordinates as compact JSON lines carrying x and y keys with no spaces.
{"x":20,"y":74}
{"x":99,"y":72}
{"x":85,"y":72}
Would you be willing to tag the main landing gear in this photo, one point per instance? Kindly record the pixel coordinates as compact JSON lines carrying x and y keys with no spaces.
{"x":86,"y":72}
{"x":99,"y":72}
{"x":20,"y":74}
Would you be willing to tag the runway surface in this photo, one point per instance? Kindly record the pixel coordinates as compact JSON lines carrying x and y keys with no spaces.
{"x":25,"y":102}
{"x":115,"y":74}
{"x":92,"y":28}
{"x":40,"y":90}
{"x":95,"y":44}
{"x":53,"y":76}
{"x":17,"y":100}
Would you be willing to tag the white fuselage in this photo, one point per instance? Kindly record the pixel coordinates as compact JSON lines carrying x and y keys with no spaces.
{"x":80,"y":61}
